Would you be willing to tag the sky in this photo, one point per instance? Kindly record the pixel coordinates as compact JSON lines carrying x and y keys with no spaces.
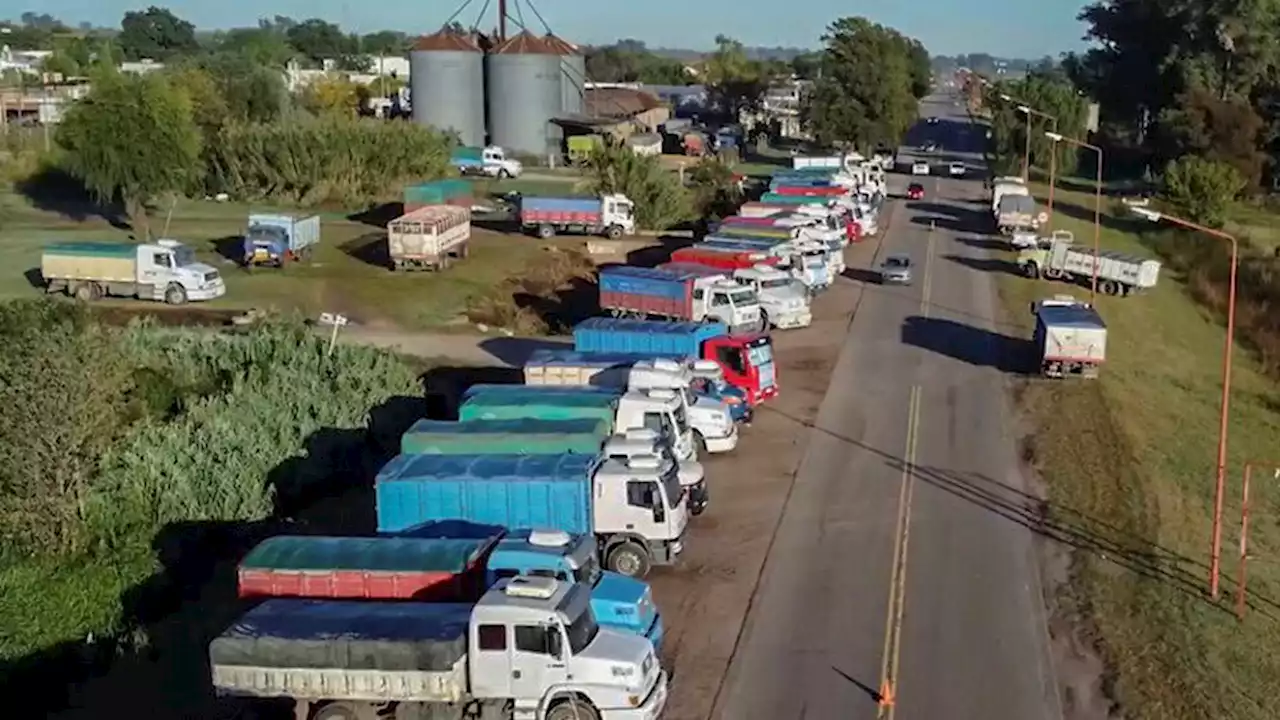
{"x":1006,"y":28}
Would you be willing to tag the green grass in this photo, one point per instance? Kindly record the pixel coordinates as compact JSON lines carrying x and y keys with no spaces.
{"x":1260,"y":225}
{"x":47,"y":602}
{"x":338,"y":280}
{"x":1129,"y":465}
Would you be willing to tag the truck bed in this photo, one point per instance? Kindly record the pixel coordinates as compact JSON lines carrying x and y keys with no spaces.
{"x":648,"y":337}
{"x":100,"y":261}
{"x":518,"y":436}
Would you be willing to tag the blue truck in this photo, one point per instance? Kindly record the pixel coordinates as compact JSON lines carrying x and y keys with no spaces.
{"x":624,"y":603}
{"x":636,"y":513}
{"x":610,"y":215}
{"x":280,"y":239}
{"x":745,"y":361}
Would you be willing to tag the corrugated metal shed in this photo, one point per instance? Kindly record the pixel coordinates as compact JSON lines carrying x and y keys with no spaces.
{"x":523,"y":83}
{"x":446,"y":83}
{"x":573,"y":74}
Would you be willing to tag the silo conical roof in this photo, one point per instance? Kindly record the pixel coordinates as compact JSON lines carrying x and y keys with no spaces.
{"x":446,"y":40}
{"x":559,"y":45}
{"x":526,"y":43}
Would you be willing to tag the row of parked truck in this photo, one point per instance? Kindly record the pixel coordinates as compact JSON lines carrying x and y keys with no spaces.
{"x":505,"y":577}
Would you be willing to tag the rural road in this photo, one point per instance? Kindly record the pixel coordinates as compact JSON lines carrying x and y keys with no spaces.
{"x":893,"y":564}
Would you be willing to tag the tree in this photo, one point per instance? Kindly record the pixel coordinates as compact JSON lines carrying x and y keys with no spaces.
{"x":661,"y":202}
{"x":623,"y":62}
{"x":156,"y":34}
{"x":806,"y":66}
{"x":1224,"y":130}
{"x":734,"y":81}
{"x":863,"y":97}
{"x":1203,"y":188}
{"x":715,"y":189}
{"x":264,"y":46}
{"x":58,"y":420}
{"x":133,"y":138}
{"x":1048,"y":95}
{"x":331,"y":94}
{"x":318,"y":41}
{"x":385,"y":42}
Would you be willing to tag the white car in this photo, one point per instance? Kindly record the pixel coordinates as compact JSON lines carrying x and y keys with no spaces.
{"x":920,"y":168}
{"x":956,"y":169}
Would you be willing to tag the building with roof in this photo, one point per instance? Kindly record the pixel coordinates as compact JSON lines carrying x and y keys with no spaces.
{"x":617,"y":111}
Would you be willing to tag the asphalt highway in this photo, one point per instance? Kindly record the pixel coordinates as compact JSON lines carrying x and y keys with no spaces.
{"x":895,"y":568}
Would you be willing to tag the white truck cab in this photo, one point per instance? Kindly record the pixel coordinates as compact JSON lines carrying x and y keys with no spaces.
{"x":643,"y":442}
{"x":783,"y":299}
{"x":713,"y":429}
{"x":495,"y":163}
{"x":717,"y":297}
{"x":660,"y":411}
{"x":640,"y":514}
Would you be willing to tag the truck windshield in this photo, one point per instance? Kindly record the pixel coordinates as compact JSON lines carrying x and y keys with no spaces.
{"x":581,"y":631}
{"x":761,"y":354}
{"x":671,"y":485}
{"x":183,"y":256}
{"x":743,"y":297}
{"x":624,"y":209}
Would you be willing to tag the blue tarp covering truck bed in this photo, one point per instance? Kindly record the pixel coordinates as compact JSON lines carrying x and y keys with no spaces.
{"x":644,"y":337}
{"x":515,"y":491}
{"x":648,"y":291}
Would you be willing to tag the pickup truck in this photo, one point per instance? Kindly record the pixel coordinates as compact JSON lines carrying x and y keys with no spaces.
{"x":637,"y":513}
{"x":165,"y":270}
{"x":280,"y":239}
{"x":529,"y":648}
{"x":429,"y":238}
{"x":443,"y":562}
{"x":746,"y":360}
{"x":627,"y":291}
{"x":609,"y":215}
{"x":491,"y":161}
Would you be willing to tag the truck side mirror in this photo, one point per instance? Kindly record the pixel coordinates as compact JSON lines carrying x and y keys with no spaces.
{"x":554,"y":647}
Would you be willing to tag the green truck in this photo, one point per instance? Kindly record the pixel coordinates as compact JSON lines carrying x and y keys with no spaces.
{"x":522,"y":436}
{"x":536,"y":404}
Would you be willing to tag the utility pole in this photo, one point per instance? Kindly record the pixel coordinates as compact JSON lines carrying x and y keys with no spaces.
{"x":502,"y":21}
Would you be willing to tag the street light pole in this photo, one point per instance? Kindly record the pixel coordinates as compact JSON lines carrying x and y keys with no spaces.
{"x":1097,"y":207}
{"x":1220,"y":484}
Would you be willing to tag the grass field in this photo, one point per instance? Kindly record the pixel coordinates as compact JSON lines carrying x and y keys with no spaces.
{"x":1129,"y":463}
{"x":348,"y":273}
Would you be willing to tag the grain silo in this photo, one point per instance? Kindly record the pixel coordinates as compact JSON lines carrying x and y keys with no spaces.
{"x":446,"y":84}
{"x":573,"y":74}
{"x":523,"y":85}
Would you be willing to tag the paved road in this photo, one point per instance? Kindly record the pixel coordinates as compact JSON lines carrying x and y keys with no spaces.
{"x":894,"y":560}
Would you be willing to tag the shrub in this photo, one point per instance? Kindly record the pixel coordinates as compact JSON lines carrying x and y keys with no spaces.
{"x":328,"y":159}
{"x":661,"y":201}
{"x":221,"y":458}
{"x":62,"y":386}
{"x":1204,"y":189}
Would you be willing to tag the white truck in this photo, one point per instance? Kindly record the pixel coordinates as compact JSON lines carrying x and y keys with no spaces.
{"x":678,"y":294}
{"x":429,"y":238}
{"x":642,"y":443}
{"x":529,"y":649}
{"x":491,"y":161}
{"x":784,"y":301}
{"x":1070,"y":337}
{"x":165,"y":270}
{"x":659,"y":410}
{"x":1008,"y":185}
{"x":1118,"y":273}
{"x":713,"y":429}
{"x":1018,"y":212}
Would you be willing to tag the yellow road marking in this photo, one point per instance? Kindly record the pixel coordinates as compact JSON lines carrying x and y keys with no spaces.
{"x":902,"y":534}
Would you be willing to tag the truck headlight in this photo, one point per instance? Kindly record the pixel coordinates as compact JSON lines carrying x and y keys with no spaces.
{"x":622,"y":671}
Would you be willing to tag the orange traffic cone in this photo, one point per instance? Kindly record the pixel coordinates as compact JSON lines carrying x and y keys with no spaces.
{"x":886,"y":694}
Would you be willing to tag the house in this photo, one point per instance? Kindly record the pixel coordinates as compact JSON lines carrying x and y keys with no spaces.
{"x":616,"y":110}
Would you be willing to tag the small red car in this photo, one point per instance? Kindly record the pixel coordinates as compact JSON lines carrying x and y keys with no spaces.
{"x":915,"y":191}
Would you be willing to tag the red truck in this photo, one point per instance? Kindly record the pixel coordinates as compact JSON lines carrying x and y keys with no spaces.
{"x":810,"y":190}
{"x":721,"y":260}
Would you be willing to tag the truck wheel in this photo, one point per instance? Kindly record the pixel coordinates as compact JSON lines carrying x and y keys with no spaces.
{"x":629,"y":559}
{"x":572,"y":709}
{"x":613,"y":232}
{"x":546,"y":232}
{"x":1031,"y":270}
{"x":503,"y":174}
{"x":700,"y":443}
{"x":764,"y":321}
{"x":336,"y":711}
{"x":87,"y":292}
{"x":175,"y":295}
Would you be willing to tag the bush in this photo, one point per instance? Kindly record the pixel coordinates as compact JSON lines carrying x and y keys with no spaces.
{"x":1204,"y":189}
{"x":62,"y":386}
{"x":215,"y":459}
{"x":661,"y":201}
{"x":330,"y":159}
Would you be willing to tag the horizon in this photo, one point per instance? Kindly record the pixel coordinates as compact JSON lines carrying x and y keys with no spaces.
{"x":578,"y":22}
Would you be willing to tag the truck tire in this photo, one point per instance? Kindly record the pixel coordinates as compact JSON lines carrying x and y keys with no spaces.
{"x":572,"y":709}
{"x":175,"y":294}
{"x":546,"y":232}
{"x":88,"y":292}
{"x":613,"y":232}
{"x":700,"y":443}
{"x":503,"y":174}
{"x":629,"y":559}
{"x":336,"y":711}
{"x":1031,"y":270}
{"x":764,"y":321}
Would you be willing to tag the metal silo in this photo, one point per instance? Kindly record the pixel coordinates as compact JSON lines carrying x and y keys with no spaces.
{"x":573,"y":74}
{"x":446,"y":84}
{"x":523,"y":83}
